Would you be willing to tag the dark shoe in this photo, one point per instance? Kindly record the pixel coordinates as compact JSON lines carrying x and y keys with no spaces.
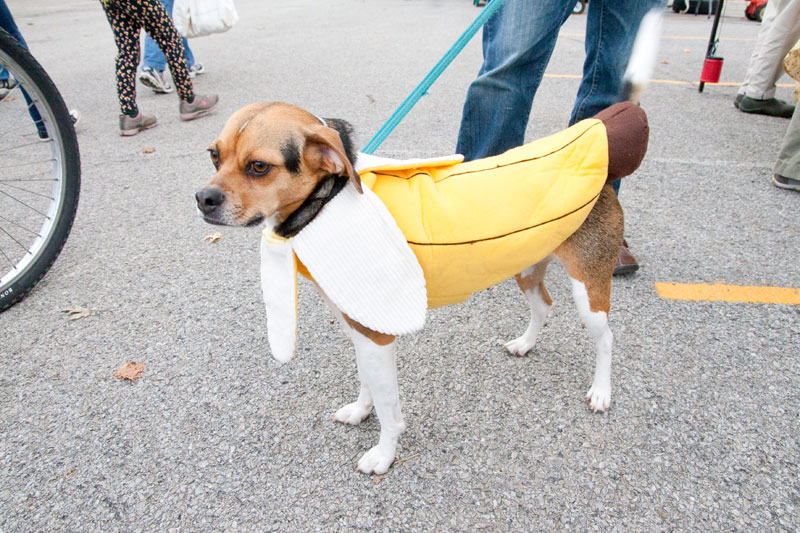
{"x":772,"y":107}
{"x":201,"y":105}
{"x":738,"y":100}
{"x":785,"y":183}
{"x":626,"y":263}
{"x":132,"y":125}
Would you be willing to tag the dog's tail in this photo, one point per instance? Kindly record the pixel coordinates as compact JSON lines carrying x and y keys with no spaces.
{"x":643,"y":57}
{"x":626,"y":123}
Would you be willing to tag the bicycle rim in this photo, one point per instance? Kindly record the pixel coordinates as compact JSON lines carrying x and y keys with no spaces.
{"x":40,"y":174}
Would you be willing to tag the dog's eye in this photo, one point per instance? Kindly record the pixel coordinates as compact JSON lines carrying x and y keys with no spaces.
{"x":214,"y":157}
{"x":259,"y":168}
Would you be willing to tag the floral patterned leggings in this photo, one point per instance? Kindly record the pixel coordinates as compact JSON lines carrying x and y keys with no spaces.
{"x":127,"y":18}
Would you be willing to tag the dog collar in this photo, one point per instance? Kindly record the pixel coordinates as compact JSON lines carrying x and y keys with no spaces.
{"x":354,"y":250}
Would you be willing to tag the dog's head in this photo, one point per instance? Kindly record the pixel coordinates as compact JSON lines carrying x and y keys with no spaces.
{"x":273,"y":158}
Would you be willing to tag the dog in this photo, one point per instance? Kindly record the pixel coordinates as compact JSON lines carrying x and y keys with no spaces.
{"x":278,"y":165}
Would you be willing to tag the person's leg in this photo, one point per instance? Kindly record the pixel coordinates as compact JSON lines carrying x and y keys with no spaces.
{"x":774,"y":41}
{"x":518,"y":41}
{"x":787,"y":168}
{"x":7,"y":23}
{"x":153,"y":56}
{"x":126,"y":30}
{"x":611,"y":27}
{"x":158,"y":24}
{"x":756,"y":56}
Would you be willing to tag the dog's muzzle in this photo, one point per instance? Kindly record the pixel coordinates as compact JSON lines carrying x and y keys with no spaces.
{"x":209,"y":201}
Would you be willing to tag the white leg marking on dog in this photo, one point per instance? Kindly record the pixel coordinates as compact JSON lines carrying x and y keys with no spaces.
{"x":539,"y":310}
{"x":356,"y":412}
{"x":378,"y":368}
{"x":599,"y":395}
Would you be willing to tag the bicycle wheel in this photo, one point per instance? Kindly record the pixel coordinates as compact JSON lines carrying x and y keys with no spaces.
{"x":39,"y":173}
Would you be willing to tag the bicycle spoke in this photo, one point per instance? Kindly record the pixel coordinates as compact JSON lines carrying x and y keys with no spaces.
{"x":39,"y":142}
{"x":26,"y":205}
{"x":29,"y":192}
{"x":20,"y":165}
{"x":33,"y":232}
{"x":15,"y":240}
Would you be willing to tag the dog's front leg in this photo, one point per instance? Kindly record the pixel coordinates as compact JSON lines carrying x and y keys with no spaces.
{"x":377,"y":367}
{"x":354,"y":413}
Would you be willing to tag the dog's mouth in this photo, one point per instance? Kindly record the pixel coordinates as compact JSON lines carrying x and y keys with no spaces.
{"x":255,"y":221}
{"x":214,"y":221}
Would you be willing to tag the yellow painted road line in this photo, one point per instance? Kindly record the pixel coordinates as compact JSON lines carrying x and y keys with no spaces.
{"x":667,"y":82}
{"x":719,"y":292}
{"x":679,"y":37}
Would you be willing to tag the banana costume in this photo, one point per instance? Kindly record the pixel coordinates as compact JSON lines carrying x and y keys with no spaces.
{"x":469,"y":226}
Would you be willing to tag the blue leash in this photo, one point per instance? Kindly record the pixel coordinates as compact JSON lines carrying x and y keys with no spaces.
{"x":425,"y":84}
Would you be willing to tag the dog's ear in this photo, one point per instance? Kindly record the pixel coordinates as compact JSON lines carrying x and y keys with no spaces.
{"x":332,"y":153}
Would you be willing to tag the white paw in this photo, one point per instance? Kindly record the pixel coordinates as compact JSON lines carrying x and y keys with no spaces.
{"x":352,"y":413}
{"x":519,"y":346}
{"x":376,"y":461}
{"x":599,"y":398}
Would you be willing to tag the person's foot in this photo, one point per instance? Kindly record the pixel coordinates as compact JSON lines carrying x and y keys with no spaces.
{"x":201,"y":105}
{"x":738,"y":100}
{"x":6,"y":86}
{"x":771,"y":107}
{"x":129,"y":126}
{"x":626,"y":263}
{"x":155,"y":79}
{"x":196,"y":69}
{"x":785,"y":183}
{"x":74,"y":117}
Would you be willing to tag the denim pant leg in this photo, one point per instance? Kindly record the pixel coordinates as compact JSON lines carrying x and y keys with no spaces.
{"x":518,"y":41}
{"x":154,"y":57}
{"x":7,"y":23}
{"x":611,"y":27}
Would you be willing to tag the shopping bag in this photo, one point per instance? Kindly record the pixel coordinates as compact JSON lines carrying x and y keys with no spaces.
{"x":197,"y":18}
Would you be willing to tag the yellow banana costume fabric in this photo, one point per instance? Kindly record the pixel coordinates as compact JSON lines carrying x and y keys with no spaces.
{"x":472,"y":225}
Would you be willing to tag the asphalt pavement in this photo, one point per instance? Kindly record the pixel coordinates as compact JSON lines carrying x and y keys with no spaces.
{"x":704,"y":428}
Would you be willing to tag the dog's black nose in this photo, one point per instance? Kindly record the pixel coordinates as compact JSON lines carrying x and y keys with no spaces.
{"x":209,"y":199}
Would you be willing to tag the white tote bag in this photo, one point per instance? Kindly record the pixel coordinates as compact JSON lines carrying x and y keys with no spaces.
{"x":196,"y":18}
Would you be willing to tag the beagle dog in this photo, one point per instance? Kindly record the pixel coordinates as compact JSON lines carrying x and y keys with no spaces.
{"x":279,"y":165}
{"x":469,"y":225}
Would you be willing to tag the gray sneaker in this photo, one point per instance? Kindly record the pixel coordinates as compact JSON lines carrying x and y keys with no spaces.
{"x":155,"y":80}
{"x":196,"y":69}
{"x":785,"y":183}
{"x":131,"y":126}
{"x":202,"y":105}
{"x":6,"y":86}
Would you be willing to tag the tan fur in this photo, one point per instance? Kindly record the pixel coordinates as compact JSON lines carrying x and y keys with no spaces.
{"x":257,"y":133}
{"x":381,"y":339}
{"x":590,"y":254}
{"x":536,"y":279}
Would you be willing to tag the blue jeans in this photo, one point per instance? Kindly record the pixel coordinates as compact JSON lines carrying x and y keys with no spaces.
{"x":7,"y":23}
{"x":154,"y":57}
{"x":518,"y":41}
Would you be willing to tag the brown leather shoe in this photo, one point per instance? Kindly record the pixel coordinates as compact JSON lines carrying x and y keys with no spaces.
{"x":626,"y":263}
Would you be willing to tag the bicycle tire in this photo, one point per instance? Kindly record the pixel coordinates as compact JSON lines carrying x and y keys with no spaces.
{"x":37,"y":259}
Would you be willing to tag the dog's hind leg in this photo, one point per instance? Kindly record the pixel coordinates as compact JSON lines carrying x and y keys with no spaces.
{"x":589,"y":256}
{"x":531,"y":282}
